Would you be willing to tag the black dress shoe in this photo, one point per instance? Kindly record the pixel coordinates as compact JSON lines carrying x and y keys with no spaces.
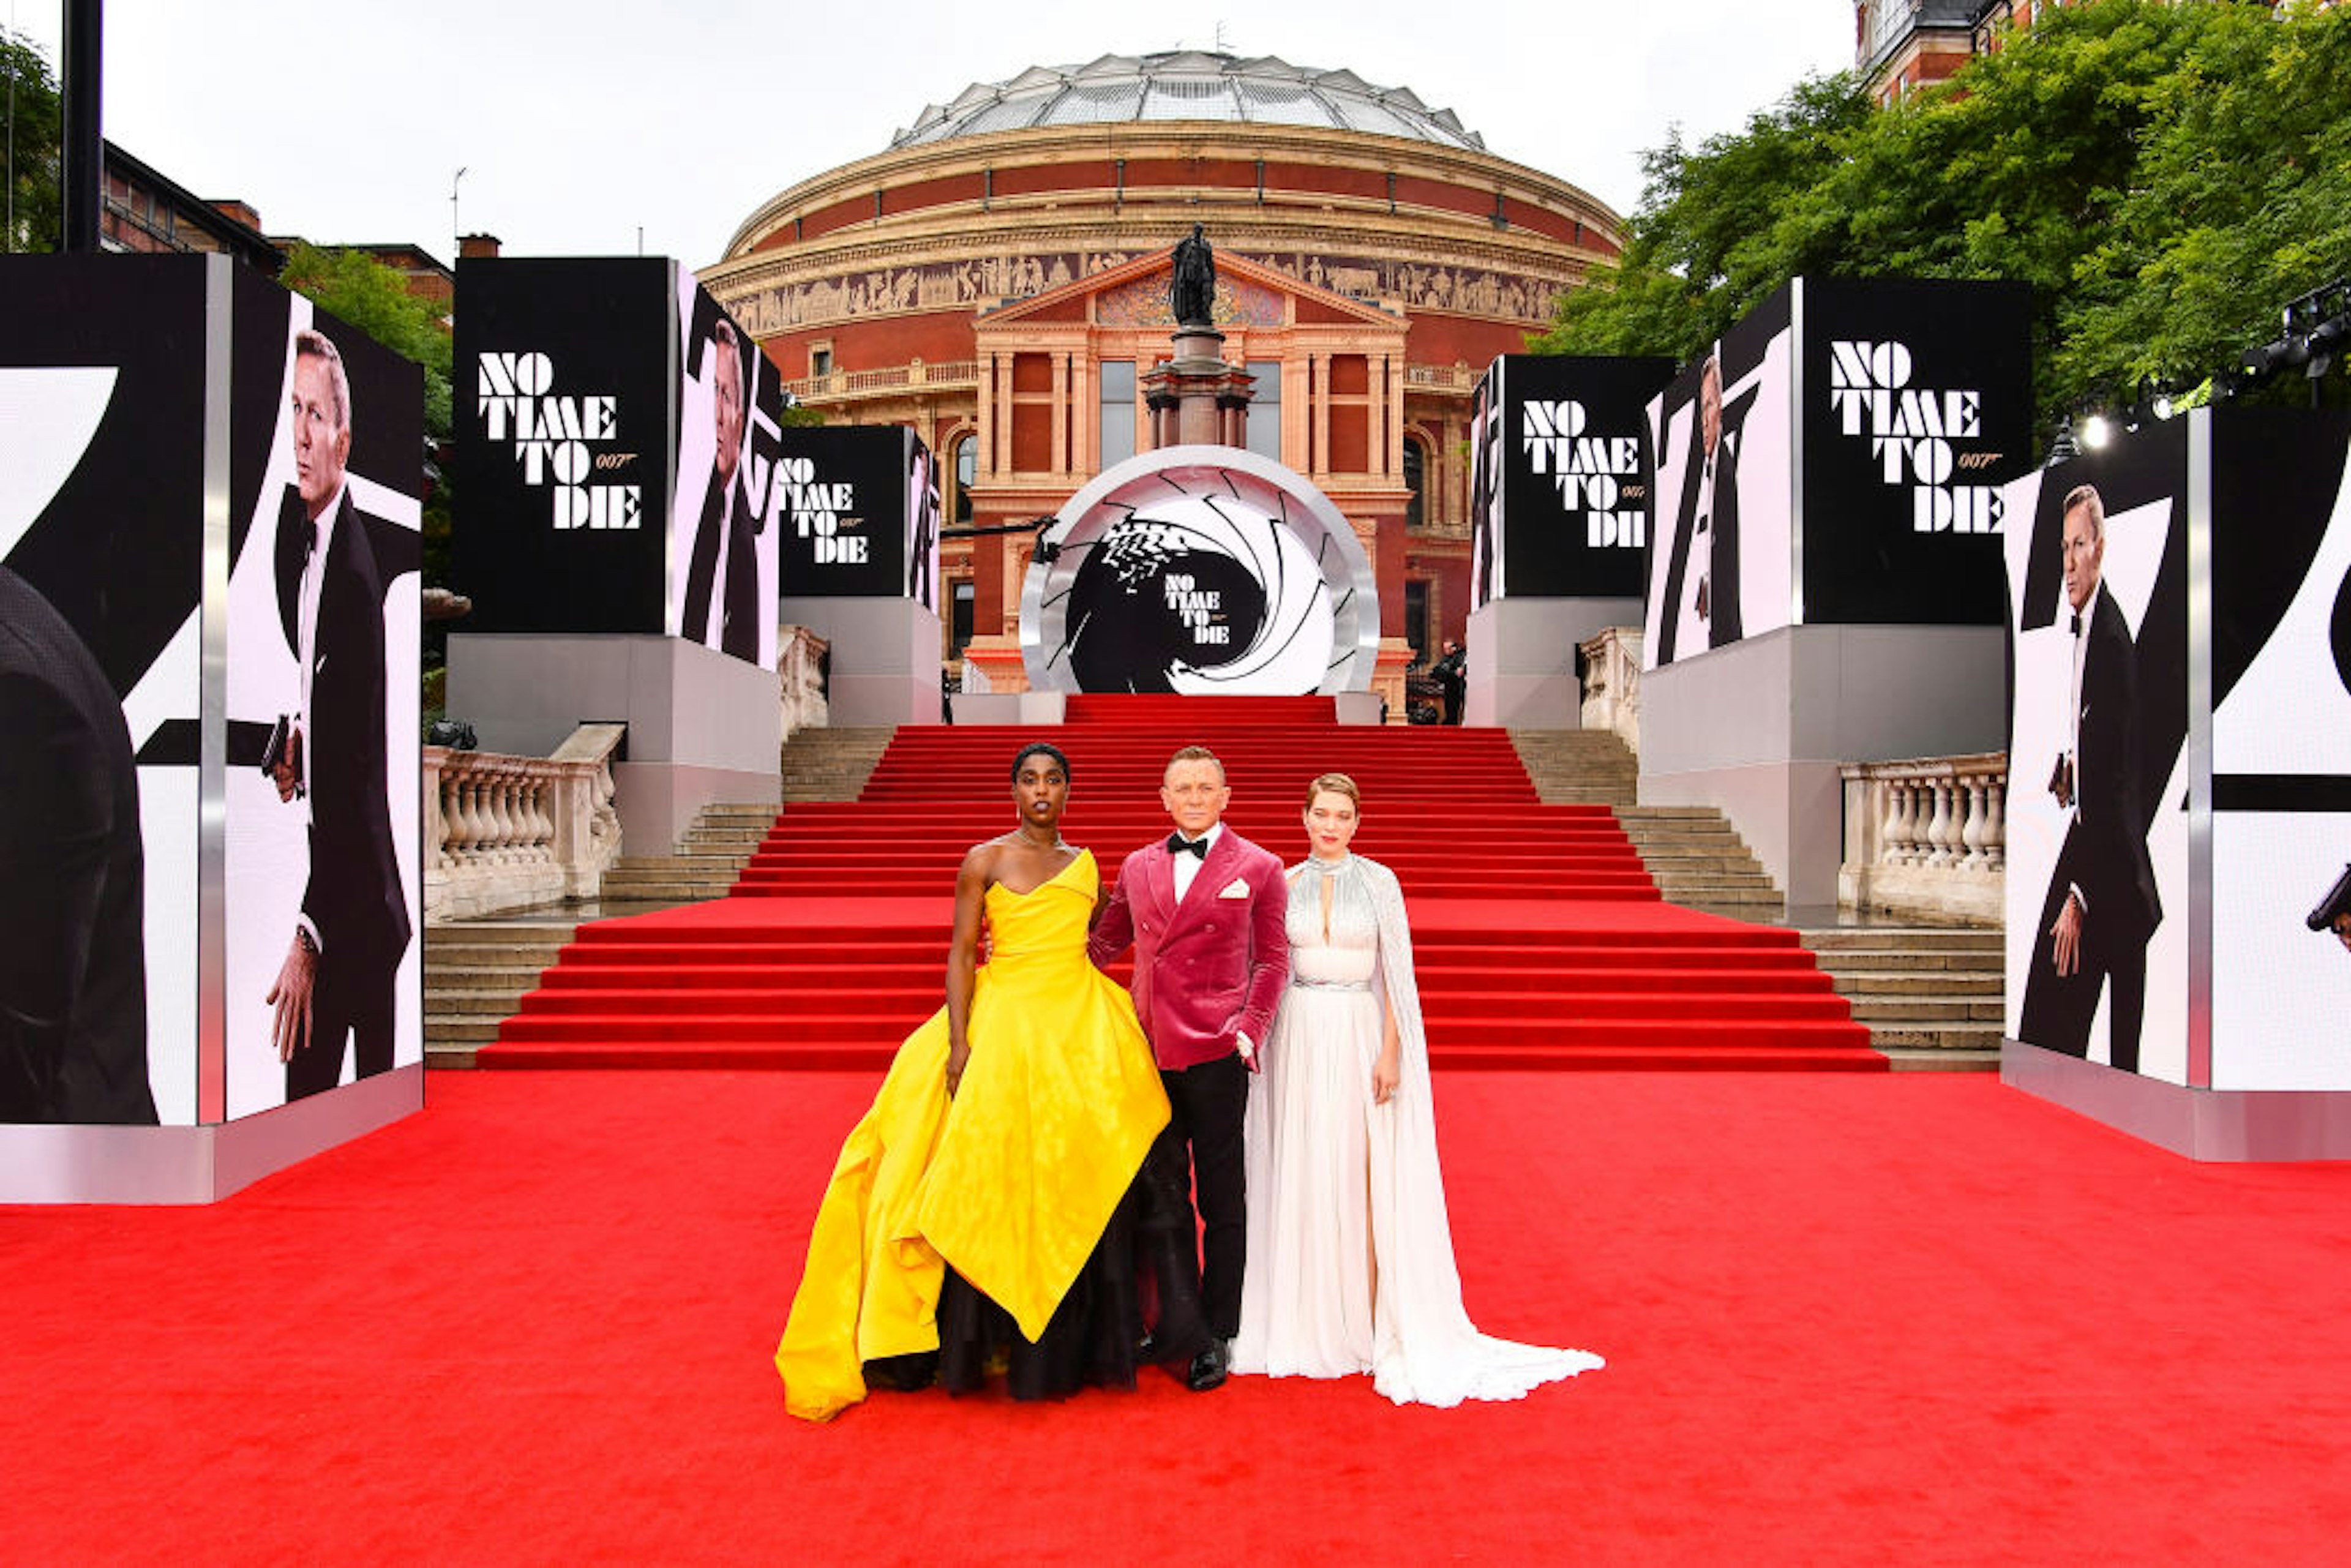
{"x":1210,"y":1367}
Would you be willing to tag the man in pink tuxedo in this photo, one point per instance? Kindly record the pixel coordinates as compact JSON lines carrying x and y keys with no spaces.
{"x":1203,"y":910}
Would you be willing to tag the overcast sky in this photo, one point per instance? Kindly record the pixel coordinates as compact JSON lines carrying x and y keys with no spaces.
{"x":579,"y":121}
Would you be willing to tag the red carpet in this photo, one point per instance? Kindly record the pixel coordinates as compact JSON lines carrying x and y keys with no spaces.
{"x":1543,"y":940}
{"x":1908,"y":1319}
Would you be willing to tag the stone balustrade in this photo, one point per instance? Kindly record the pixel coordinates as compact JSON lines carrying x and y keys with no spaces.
{"x":834,"y":386}
{"x":1927,"y":837}
{"x":504,"y":833}
{"x":885,"y":381}
{"x":1611,"y":684}
{"x":800,"y":678}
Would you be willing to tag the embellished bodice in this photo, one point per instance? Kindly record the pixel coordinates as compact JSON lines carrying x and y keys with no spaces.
{"x":1343,"y":953}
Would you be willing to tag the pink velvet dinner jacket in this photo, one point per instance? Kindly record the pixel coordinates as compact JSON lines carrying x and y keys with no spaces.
{"x":1210,"y":968}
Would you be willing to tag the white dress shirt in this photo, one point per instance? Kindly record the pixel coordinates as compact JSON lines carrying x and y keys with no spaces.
{"x":1188,"y":866}
{"x":305,"y":637}
{"x":1693,"y":632}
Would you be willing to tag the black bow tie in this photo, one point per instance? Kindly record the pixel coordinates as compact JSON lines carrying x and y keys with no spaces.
{"x":2077,"y":623}
{"x":1177,"y":844}
{"x":309,"y":538}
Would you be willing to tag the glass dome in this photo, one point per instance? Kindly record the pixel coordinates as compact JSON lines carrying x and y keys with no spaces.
{"x":1187,"y":85}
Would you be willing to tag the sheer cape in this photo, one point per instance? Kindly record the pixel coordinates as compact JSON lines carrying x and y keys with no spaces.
{"x":1423,"y":1348}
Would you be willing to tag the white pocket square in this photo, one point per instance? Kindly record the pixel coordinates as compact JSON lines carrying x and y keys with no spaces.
{"x":1237,"y":888}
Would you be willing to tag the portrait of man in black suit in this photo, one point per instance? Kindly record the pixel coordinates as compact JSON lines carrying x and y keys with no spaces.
{"x":1485,"y":496}
{"x":73,"y":956}
{"x":1700,"y":606}
{"x":338,"y":977}
{"x":725,"y":519}
{"x":922,"y":529}
{"x":2102,"y":906}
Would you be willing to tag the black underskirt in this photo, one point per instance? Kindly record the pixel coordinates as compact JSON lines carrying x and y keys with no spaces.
{"x":1089,"y":1341}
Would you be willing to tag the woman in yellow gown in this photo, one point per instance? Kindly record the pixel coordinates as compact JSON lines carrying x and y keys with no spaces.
{"x":984,"y":1203}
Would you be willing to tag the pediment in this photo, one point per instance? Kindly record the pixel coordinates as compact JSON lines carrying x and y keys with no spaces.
{"x":1135,"y":293}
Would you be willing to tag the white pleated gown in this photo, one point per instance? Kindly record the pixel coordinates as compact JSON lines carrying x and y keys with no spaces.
{"x":1334,"y":1180}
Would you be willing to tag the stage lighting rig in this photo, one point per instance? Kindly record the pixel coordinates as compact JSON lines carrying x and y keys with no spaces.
{"x":2061,"y":443}
{"x":2312,"y":331}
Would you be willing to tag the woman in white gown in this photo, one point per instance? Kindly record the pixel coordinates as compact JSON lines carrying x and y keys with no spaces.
{"x":1349,"y":1257}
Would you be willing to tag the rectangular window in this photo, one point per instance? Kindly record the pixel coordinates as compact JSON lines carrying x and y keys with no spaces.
{"x":962,"y":615}
{"x":1117,"y":410}
{"x":1265,"y":409}
{"x":1416,"y":618}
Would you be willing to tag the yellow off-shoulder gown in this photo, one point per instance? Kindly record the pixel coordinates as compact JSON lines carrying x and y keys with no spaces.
{"x":1012,"y":1181}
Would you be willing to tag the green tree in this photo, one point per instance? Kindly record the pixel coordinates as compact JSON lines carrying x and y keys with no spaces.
{"x":2165,"y":175}
{"x":29,"y":106}
{"x":1697,"y":251}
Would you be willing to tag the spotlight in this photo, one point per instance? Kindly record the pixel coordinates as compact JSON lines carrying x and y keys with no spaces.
{"x":2268,"y":358}
{"x":2097,"y":431}
{"x":2161,"y":407}
{"x":2311,"y":333}
{"x":2061,"y":444}
{"x":2326,"y":339}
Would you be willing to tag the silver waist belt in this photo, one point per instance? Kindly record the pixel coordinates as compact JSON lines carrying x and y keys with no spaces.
{"x":1306,"y":985}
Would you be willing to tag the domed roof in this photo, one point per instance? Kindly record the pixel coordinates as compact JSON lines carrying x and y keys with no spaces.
{"x":1187,"y":85}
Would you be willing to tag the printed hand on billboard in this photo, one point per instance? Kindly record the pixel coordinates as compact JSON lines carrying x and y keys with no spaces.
{"x":298,"y":979}
{"x":2068,"y":933}
{"x":286,"y":772}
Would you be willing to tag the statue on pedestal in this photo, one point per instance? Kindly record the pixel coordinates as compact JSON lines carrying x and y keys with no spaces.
{"x":1192,"y":293}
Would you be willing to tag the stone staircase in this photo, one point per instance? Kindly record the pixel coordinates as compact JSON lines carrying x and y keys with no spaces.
{"x":1694,"y":854}
{"x":1579,"y":767}
{"x":1697,"y":858}
{"x":1931,"y":994}
{"x":475,"y":972}
{"x":831,"y":764}
{"x":715,"y":848}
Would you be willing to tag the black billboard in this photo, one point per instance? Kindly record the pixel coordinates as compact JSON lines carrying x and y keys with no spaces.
{"x":562,"y":419}
{"x":320,"y":786}
{"x":102,"y":394}
{"x":2096,"y":552}
{"x":1836,"y":458}
{"x":210,"y":503}
{"x":1721,"y":556}
{"x":1568,"y":499}
{"x":1918,"y":408}
{"x":616,"y":439}
{"x":724,"y":566}
{"x":858,"y":512}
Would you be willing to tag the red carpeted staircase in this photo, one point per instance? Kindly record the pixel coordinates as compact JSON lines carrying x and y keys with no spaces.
{"x":1542,"y":940}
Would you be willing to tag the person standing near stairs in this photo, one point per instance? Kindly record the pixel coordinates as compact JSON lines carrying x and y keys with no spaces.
{"x":1204,"y":911}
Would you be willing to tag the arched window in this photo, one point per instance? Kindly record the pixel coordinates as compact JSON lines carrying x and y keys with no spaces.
{"x":1416,"y":478}
{"x":966,"y":469}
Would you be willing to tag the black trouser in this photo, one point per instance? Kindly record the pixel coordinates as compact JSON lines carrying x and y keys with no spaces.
{"x":1200,"y":1152}
{"x":358,"y":1005}
{"x":2059,"y":1008}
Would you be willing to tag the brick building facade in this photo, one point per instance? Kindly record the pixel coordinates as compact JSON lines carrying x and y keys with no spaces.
{"x":996,"y":278}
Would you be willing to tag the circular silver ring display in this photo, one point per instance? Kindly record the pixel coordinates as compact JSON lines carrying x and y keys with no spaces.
{"x":1200,"y":569}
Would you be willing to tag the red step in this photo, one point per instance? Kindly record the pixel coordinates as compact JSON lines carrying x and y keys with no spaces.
{"x":1539,"y":938}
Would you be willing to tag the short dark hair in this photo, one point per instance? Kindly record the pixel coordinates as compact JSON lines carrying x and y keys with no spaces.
{"x":1195,"y":754}
{"x":1044,"y":748}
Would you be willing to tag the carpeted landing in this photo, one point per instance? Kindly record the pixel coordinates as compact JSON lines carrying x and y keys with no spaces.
{"x":1542,"y":940}
{"x":1916,"y":1318}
